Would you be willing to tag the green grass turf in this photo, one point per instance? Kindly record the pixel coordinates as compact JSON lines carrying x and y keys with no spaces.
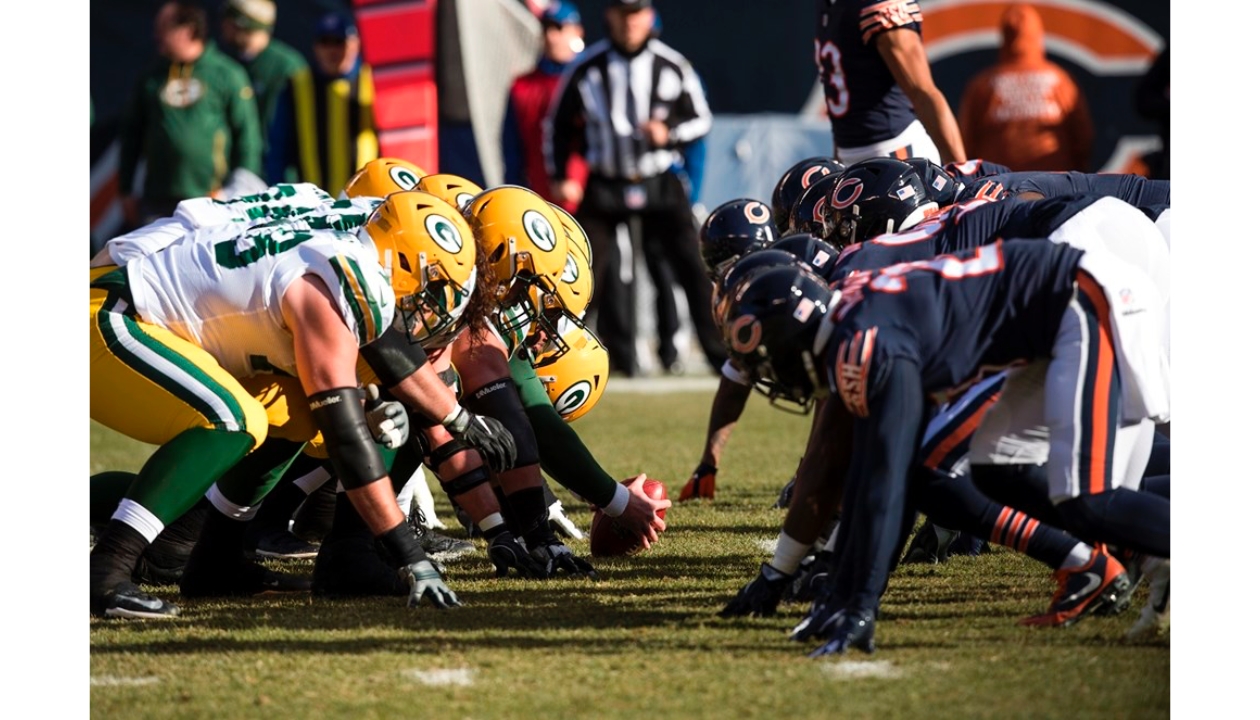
{"x":643,"y":641}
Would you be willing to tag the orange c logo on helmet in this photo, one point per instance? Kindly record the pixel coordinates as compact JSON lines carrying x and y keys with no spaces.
{"x":757,"y":212}
{"x":854,"y":186}
{"x":810,"y":173}
{"x":745,"y":333}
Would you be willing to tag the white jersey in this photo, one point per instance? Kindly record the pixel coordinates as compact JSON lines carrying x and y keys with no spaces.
{"x":224,"y":294}
{"x":204,"y":215}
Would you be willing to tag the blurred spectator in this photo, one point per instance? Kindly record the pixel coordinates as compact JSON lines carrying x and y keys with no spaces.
{"x":246,"y":28}
{"x":631,"y":101}
{"x":1151,"y":100}
{"x":529,"y":99}
{"x":1026,"y":112}
{"x":324,"y":123}
{"x":192,"y":119}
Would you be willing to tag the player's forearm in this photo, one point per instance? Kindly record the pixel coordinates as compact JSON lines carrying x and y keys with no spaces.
{"x":938,"y":119}
{"x":728,"y":406}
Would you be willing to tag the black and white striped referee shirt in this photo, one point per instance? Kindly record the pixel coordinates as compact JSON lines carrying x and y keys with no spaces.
{"x":602,"y":101}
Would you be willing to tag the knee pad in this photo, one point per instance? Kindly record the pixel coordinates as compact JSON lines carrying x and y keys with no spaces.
{"x":461,"y":484}
{"x":500,"y":400}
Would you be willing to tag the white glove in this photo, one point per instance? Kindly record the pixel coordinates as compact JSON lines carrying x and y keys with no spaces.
{"x":386,"y":419}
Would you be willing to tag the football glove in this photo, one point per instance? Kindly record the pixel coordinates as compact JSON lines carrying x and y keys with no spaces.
{"x":810,"y":579}
{"x":488,"y":436}
{"x":508,"y":553}
{"x":702,"y":484}
{"x":856,"y":628}
{"x":556,"y":558}
{"x":823,"y":615}
{"x":760,"y":597}
{"x":386,"y":419}
{"x":426,"y":582}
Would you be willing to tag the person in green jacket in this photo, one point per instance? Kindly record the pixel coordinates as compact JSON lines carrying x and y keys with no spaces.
{"x":247,"y":30}
{"x":192,"y":119}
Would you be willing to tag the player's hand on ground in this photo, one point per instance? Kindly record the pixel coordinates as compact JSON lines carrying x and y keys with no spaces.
{"x":488,"y":436}
{"x":427,"y":584}
{"x":856,"y":629}
{"x":508,"y":554}
{"x":702,"y":484}
{"x":386,"y":419}
{"x":760,"y":597}
{"x":558,"y":559}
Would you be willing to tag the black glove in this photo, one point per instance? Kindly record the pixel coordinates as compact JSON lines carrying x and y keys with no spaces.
{"x":557,"y":558}
{"x":488,"y":436}
{"x":426,"y":582}
{"x":823,"y":615}
{"x":855,"y":629}
{"x":507,"y":553}
{"x":810,"y":578}
{"x":760,"y":597}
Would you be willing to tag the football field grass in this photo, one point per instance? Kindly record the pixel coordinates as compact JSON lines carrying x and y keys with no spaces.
{"x":641,"y":642}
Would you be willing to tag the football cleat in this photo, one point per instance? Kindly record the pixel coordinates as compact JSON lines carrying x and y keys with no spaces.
{"x":1083,"y":589}
{"x":1155,"y":618}
{"x":280,"y":544}
{"x":128,"y":601}
{"x":236,"y":579}
{"x":823,"y":615}
{"x":701,"y":484}
{"x":561,"y":522}
{"x":437,"y":546}
{"x":930,"y":545}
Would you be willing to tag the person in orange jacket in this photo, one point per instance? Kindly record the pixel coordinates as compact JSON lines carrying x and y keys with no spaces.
{"x":1026,"y":111}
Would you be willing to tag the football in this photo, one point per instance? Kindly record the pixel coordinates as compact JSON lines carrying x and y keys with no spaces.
{"x":607,"y":537}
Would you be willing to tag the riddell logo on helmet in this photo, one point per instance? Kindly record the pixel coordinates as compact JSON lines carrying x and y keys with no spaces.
{"x":847,"y":192}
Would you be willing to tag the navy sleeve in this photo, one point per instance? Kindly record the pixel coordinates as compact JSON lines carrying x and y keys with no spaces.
{"x":875,"y":493}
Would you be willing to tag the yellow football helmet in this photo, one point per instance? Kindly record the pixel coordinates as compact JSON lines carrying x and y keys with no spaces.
{"x":577,"y":236}
{"x":524,"y":245}
{"x":575,"y":380}
{"x":574,"y":288}
{"x":455,"y":190}
{"x":383,"y":176}
{"x":431,"y":257}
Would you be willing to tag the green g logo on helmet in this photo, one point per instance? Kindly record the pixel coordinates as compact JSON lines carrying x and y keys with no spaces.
{"x":572,"y":400}
{"x":403,"y":177}
{"x":444,"y":233}
{"x":539,"y":231}
{"x":570,"y":274}
{"x":462,"y":200}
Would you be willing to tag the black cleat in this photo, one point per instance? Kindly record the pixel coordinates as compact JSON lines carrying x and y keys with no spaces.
{"x":239,"y":579}
{"x":930,"y":545}
{"x":281,"y":544}
{"x":128,"y":601}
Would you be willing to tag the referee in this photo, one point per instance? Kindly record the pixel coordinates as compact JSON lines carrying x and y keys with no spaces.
{"x":628,"y":104}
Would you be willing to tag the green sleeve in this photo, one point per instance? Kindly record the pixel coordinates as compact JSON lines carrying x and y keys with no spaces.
{"x":561,"y":451}
{"x":243,"y":120}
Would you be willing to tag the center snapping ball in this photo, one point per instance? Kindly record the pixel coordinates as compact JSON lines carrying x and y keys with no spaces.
{"x":608,"y":539}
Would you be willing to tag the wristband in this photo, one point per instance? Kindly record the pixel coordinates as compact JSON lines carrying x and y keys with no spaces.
{"x":788,"y":554}
{"x":620,"y":499}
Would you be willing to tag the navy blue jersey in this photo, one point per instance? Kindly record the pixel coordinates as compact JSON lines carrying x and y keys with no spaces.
{"x":958,"y":318}
{"x":960,"y":228}
{"x":864,"y":102}
{"x":1136,"y":190}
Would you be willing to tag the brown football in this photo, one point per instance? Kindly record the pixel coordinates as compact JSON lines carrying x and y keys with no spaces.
{"x":608,"y":539}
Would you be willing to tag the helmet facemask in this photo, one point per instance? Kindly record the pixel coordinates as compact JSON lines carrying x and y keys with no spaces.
{"x":436,"y":306}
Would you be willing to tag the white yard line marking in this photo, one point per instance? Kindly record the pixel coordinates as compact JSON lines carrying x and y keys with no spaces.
{"x":115,"y":681}
{"x":858,"y":669}
{"x":442,"y":676}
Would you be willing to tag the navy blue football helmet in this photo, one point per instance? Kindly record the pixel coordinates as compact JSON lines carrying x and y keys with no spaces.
{"x":734,"y":229}
{"x":873,"y":197}
{"x":798,"y":177}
